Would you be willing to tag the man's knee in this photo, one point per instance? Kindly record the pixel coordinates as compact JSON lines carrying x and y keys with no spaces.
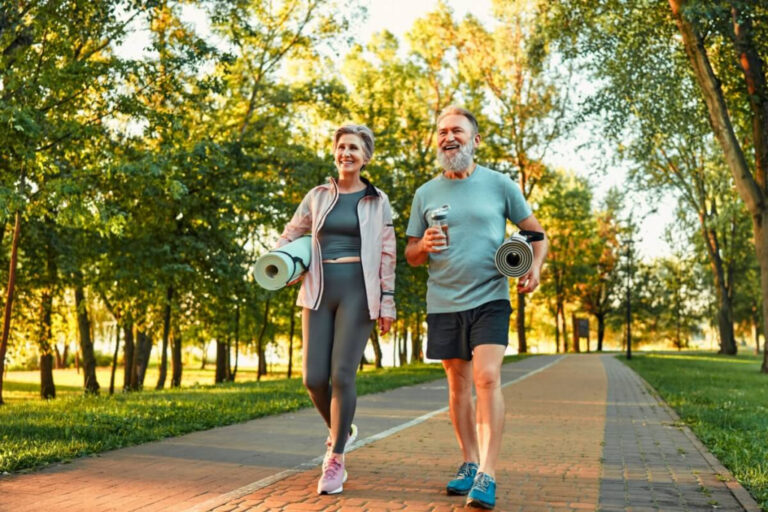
{"x":487,"y":378}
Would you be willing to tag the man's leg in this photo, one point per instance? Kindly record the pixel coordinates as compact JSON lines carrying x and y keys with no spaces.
{"x":487,"y":360}
{"x":459,"y":373}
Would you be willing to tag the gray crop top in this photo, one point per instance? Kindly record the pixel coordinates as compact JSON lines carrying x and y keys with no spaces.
{"x":340,"y":235}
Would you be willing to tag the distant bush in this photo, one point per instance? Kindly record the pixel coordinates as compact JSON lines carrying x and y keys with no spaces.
{"x":30,"y":363}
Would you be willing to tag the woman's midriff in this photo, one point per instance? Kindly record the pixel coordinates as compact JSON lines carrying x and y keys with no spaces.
{"x":345,"y":259}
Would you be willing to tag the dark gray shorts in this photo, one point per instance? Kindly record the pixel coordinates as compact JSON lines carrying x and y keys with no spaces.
{"x":455,"y":335}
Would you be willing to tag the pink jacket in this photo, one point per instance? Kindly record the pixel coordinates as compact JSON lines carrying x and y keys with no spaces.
{"x":377,"y":240}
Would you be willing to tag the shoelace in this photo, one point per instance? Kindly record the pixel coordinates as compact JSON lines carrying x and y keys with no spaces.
{"x":465,"y":471}
{"x":332,"y":467}
{"x":483,"y":482}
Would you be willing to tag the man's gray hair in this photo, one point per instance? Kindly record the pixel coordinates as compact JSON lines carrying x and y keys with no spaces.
{"x":453,"y":110}
{"x":362,"y":131}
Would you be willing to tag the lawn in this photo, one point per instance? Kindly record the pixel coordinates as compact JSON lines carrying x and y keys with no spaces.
{"x":724,"y":400}
{"x":35,"y":432}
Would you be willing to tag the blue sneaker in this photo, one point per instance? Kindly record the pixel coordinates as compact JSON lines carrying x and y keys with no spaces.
{"x":463,"y":481}
{"x":483,"y":492}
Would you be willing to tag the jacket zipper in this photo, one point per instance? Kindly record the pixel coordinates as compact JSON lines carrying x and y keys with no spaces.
{"x":360,"y":229}
{"x":319,"y":250}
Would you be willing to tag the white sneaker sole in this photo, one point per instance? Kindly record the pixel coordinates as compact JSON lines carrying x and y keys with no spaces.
{"x":335,"y":491}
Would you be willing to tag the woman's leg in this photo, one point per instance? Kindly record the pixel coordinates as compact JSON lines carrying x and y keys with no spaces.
{"x":317,"y":337}
{"x":352,"y":327}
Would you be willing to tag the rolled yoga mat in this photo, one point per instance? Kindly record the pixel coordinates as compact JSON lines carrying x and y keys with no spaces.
{"x":514,"y":257}
{"x":279,"y":267}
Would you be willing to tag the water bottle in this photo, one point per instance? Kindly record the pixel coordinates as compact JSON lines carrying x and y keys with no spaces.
{"x":437,"y":218}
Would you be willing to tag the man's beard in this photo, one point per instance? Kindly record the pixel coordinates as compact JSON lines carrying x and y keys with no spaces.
{"x":460,"y":160}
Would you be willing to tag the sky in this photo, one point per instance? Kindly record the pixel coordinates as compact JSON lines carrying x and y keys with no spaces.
{"x":398,"y":16}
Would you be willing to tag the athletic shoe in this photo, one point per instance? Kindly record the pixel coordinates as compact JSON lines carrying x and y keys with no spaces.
{"x":465,"y":476}
{"x":483,"y":492}
{"x":333,"y":477}
{"x":351,"y":438}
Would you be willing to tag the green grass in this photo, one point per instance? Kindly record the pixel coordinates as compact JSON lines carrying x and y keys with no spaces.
{"x":724,"y":400}
{"x":37,"y":432}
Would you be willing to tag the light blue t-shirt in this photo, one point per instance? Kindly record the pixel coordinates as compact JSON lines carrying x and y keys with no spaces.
{"x":465,"y":276}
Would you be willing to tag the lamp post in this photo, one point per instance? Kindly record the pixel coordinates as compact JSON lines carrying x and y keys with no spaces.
{"x":629,"y":295}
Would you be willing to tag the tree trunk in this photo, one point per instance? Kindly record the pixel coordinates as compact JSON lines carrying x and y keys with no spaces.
{"x":221,"y":364}
{"x":141,"y":356}
{"x":600,"y":331}
{"x":262,"y":368}
{"x":45,"y":336}
{"x":402,"y":348}
{"x":374,"y":337}
{"x":723,"y":288}
{"x":129,"y":358}
{"x":751,"y":189}
{"x":522,"y":342}
{"x":237,"y":342}
{"x":9,"y":299}
{"x":47,"y":387}
{"x":761,"y":241}
{"x":176,"y":366}
{"x":417,"y":354}
{"x":114,"y":360}
{"x":228,"y":360}
{"x":565,"y":328}
{"x":166,"y":333}
{"x":91,"y":385}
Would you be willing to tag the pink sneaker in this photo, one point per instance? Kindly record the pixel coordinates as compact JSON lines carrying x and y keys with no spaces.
{"x":333,"y":477}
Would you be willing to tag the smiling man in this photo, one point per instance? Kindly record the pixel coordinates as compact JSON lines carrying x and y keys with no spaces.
{"x":468,"y":304}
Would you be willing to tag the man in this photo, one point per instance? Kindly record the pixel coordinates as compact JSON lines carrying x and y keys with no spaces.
{"x":468,"y":304}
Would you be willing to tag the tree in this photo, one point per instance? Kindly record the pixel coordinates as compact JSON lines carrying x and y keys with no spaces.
{"x":734,"y":22}
{"x":524,"y":99}
{"x":566,"y":211}
{"x":599,"y":291}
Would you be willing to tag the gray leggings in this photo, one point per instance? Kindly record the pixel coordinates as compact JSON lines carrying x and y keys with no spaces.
{"x":334,"y":338}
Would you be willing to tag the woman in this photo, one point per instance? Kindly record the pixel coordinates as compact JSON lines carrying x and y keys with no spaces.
{"x":349,"y":285}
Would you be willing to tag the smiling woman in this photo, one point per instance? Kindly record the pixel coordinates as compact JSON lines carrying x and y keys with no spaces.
{"x":349,"y":285}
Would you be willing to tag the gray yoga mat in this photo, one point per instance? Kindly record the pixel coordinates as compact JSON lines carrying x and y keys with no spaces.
{"x":514,"y":257}
{"x":279,"y":267}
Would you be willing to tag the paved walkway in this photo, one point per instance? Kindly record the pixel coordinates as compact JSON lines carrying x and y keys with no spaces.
{"x":582,"y":433}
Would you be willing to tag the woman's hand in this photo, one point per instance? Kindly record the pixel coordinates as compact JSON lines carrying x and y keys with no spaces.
{"x":385,"y":324}
{"x":297,"y":280}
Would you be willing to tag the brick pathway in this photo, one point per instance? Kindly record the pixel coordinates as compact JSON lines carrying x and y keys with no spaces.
{"x":582,"y":433}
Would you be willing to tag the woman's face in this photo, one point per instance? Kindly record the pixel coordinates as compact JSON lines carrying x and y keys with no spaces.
{"x":349,"y":156}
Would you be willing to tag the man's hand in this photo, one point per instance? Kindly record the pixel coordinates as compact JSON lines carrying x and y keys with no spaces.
{"x":385,"y":324}
{"x":417,"y":250}
{"x":530,"y":281}
{"x":433,"y":238}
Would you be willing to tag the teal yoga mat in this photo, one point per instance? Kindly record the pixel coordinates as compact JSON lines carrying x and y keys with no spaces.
{"x":279,"y":267}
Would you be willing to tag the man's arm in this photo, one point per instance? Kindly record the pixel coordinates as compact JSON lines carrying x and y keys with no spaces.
{"x":417,"y":250}
{"x":530,"y":281}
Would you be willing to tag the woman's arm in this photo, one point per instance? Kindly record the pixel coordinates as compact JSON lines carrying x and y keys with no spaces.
{"x":387,"y":270}
{"x":300,"y":223}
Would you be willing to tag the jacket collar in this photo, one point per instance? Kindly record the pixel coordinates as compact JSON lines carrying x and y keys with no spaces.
{"x":370,"y":190}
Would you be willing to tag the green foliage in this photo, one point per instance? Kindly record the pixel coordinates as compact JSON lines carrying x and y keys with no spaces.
{"x":723,"y":399}
{"x":36,"y":433}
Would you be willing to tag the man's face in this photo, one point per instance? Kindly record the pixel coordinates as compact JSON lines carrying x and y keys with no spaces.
{"x":456,"y":142}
